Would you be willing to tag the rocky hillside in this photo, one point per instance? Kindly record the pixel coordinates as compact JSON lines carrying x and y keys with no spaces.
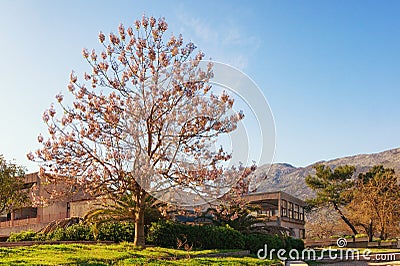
{"x":290,"y":179}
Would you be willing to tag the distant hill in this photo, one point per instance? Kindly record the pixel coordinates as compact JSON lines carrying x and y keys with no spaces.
{"x":291,"y":179}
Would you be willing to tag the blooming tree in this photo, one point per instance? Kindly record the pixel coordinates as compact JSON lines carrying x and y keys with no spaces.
{"x":143,"y":121}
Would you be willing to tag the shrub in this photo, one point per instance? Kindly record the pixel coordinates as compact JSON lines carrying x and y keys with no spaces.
{"x":164,"y":234}
{"x":39,"y":237}
{"x":294,"y":243}
{"x":76,"y":232}
{"x":22,"y":236}
{"x":219,"y":237}
{"x":56,"y":235}
{"x":116,"y":231}
{"x":254,"y":242}
{"x":167,"y":233}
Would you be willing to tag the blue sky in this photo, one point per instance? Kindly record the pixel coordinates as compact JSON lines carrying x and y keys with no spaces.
{"x":329,"y":69}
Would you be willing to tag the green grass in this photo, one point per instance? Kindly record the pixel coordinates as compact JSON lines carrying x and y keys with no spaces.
{"x":116,"y":254}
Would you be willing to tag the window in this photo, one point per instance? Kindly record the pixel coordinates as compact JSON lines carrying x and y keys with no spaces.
{"x":301,"y":214}
{"x":284,"y":208}
{"x":290,"y":210}
{"x":296,"y":212}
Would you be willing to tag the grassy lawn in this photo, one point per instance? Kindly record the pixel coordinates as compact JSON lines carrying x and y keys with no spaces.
{"x":116,"y":254}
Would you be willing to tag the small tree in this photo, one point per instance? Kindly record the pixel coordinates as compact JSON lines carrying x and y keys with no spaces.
{"x":333,"y":188}
{"x":376,"y":201}
{"x":142,"y":121}
{"x":12,"y":195}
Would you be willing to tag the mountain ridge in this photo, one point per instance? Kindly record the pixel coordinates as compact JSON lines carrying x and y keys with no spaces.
{"x":291,"y":179}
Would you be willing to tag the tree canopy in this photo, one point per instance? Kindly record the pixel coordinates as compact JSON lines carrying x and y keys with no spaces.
{"x":376,"y":201}
{"x":12,"y":195}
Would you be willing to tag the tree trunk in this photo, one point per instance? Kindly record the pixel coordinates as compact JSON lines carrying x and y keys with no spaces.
{"x":382,"y":234}
{"x":139,"y":228}
{"x":344,"y":218}
{"x":368,"y":229}
{"x":370,"y":232}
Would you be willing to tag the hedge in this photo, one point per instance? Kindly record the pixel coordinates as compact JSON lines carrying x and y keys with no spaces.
{"x":254,"y":242}
{"x":22,"y":236}
{"x":114,"y":231}
{"x":167,"y":233}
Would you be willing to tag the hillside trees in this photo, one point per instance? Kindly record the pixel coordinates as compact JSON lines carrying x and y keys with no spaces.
{"x":376,"y":201}
{"x":370,"y":201}
{"x":142,"y":122}
{"x":12,"y":195}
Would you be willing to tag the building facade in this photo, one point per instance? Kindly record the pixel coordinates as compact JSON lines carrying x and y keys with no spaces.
{"x":280,"y":209}
{"x":35,"y":218}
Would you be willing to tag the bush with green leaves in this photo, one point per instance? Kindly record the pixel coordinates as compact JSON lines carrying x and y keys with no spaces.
{"x":116,"y":231}
{"x":164,"y":234}
{"x":76,"y":232}
{"x":112,"y":231}
{"x":40,"y":237}
{"x":168,"y":234}
{"x":79,"y":232}
{"x":294,"y":243}
{"x":254,"y":242}
{"x":220,"y":237}
{"x":22,"y":236}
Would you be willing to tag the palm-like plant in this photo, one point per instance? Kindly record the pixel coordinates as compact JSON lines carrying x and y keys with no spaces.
{"x":123,"y":209}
